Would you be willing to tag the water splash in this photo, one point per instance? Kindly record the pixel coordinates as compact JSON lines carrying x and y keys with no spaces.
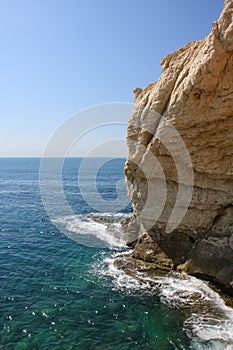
{"x":208,"y":321}
{"x":87,"y":231}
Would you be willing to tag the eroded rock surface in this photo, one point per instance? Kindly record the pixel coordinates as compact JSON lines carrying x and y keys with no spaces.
{"x":195,"y":95}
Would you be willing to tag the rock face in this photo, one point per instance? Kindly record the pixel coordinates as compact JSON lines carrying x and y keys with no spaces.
{"x":193,"y":97}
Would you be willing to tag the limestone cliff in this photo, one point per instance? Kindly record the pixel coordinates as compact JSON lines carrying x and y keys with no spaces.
{"x":193,"y":96}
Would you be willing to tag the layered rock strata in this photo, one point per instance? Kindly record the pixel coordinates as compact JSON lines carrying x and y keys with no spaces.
{"x":182,"y":193}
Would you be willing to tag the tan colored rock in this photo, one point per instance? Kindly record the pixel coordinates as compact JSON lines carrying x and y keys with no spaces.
{"x":194,"y":95}
{"x":137,"y":92}
{"x":148,"y":250}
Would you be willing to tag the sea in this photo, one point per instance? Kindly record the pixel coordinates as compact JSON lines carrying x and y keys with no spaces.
{"x":59,"y":288}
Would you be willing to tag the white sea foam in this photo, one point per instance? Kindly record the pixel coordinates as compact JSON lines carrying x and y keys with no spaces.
{"x":111,"y":215}
{"x":210,"y":327}
{"x":91,"y":233}
{"x":209,"y":322}
{"x":208,"y":332}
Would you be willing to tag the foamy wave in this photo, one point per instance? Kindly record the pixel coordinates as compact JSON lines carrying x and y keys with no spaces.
{"x":208,"y":332}
{"x":209,"y":322}
{"x":91,"y":233}
{"x":112,"y":215}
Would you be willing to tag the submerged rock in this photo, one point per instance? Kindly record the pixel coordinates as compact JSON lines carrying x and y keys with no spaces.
{"x":105,"y":219}
{"x":182,"y":191}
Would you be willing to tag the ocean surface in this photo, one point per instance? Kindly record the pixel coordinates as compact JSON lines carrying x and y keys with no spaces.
{"x":60,"y":290}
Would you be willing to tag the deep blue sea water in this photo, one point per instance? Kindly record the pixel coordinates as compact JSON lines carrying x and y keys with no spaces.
{"x":60,"y":290}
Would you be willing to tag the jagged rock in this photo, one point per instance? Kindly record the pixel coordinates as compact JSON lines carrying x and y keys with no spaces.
{"x":211,"y":258}
{"x":194,"y":95}
{"x":137,"y":92}
{"x":148,"y":250}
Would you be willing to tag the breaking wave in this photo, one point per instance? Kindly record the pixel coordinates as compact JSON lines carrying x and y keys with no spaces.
{"x":208,"y":321}
{"x":99,"y":230}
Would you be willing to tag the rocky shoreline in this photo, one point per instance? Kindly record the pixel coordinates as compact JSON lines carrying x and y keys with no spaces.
{"x":143,"y":261}
{"x":145,"y":271}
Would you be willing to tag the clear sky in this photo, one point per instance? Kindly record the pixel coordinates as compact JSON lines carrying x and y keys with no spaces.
{"x":60,"y":56}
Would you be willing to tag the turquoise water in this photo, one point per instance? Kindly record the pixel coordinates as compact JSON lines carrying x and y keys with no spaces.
{"x":60,"y":293}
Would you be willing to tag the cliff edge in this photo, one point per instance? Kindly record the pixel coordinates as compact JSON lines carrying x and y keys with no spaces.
{"x":179,"y":171}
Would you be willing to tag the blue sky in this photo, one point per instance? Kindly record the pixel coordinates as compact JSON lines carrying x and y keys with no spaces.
{"x":62,"y":56}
